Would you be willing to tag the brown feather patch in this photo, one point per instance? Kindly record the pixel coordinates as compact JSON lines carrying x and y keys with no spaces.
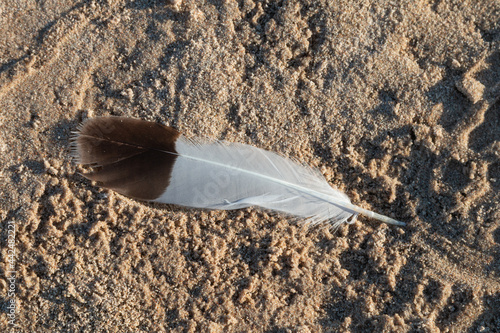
{"x":130,"y":156}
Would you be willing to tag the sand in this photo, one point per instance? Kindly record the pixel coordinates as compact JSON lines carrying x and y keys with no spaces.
{"x":396,"y":102}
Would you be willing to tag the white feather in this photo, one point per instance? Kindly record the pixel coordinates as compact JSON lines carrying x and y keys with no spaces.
{"x":221,"y":175}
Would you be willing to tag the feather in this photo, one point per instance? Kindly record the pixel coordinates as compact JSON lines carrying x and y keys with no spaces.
{"x":152,"y":162}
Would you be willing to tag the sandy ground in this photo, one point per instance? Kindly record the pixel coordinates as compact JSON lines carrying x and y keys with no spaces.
{"x":397,"y":103}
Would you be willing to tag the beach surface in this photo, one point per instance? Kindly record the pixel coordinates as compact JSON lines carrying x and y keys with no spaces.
{"x":395,"y":102}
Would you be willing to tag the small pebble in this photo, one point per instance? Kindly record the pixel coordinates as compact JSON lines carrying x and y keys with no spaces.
{"x":471,"y":88}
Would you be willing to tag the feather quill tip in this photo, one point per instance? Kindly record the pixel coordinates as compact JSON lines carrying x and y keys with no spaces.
{"x":392,"y":221}
{"x":376,"y":216}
